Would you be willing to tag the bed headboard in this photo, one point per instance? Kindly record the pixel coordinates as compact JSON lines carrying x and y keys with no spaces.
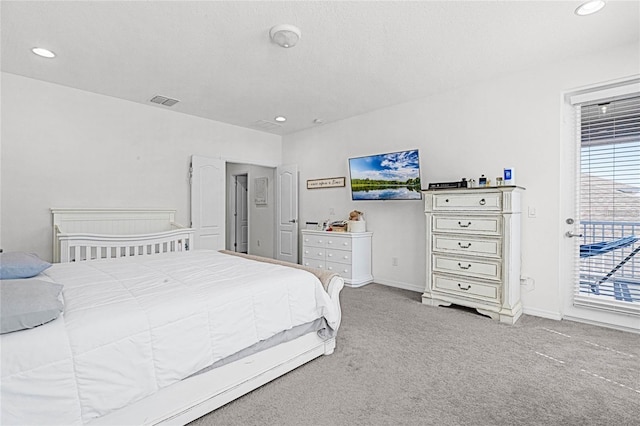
{"x":88,"y":234}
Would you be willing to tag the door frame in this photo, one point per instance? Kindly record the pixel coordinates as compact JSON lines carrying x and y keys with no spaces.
{"x":233,"y":232}
{"x":569,"y":202}
{"x":274,"y":206}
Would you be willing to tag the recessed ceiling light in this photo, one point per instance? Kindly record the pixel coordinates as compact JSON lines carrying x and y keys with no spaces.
{"x":589,"y":7}
{"x":45,"y":53}
{"x":280,"y":119}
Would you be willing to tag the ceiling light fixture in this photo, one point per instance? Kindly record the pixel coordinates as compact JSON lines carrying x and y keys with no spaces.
{"x":285,"y":35}
{"x":587,"y":8}
{"x":280,"y":119}
{"x":45,"y":53}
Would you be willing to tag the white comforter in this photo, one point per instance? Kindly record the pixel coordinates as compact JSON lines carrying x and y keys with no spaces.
{"x":132,"y":326}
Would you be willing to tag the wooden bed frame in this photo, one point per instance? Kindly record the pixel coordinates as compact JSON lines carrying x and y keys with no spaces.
{"x":105,"y":233}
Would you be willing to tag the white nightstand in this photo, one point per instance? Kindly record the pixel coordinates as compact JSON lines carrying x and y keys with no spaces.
{"x":345,"y":253}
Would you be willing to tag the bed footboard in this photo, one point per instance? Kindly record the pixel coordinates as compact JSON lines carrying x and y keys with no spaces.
{"x":81,"y":247}
{"x":91,"y":234}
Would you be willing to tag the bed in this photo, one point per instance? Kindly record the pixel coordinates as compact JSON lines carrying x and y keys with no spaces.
{"x":164,"y":337}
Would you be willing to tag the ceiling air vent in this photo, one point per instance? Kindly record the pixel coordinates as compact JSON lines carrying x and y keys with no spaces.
{"x":163,"y":100}
{"x":266,"y":125}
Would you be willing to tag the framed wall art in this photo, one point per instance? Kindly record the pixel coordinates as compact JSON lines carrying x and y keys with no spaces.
{"x":325,"y":183}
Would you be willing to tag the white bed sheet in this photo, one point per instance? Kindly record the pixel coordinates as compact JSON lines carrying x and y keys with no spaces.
{"x":132,"y":326}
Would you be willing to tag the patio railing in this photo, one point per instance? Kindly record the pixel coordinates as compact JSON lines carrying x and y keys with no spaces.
{"x":624,"y":283}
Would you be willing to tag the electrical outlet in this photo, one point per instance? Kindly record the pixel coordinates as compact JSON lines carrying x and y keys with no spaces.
{"x":394,"y":261}
{"x":527,"y":283}
{"x":258,"y":243}
{"x":332,"y":212}
{"x":532,"y":211}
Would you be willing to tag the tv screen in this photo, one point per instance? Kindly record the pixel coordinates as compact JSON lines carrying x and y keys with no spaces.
{"x":392,"y":176}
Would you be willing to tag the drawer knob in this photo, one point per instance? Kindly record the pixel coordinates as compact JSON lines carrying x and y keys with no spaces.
{"x":464,"y":288}
{"x":464,"y":247}
{"x":483,"y":202}
{"x":464,"y":267}
{"x":330,"y":255}
{"x":463,"y":225}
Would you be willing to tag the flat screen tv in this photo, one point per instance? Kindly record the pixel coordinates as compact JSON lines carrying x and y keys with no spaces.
{"x":392,"y":176}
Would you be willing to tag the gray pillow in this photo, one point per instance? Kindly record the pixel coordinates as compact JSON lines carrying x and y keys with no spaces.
{"x":27,"y":304}
{"x":20,"y":265}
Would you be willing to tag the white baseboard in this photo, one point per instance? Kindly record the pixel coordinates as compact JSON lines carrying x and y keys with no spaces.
{"x":542,"y":313}
{"x":603,"y":324}
{"x":400,"y":284}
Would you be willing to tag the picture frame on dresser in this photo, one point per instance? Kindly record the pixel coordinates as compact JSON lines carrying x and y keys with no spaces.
{"x":473,"y":249}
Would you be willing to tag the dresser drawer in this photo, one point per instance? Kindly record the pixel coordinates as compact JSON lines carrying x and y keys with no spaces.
{"x":342,"y":269}
{"x":313,"y":263}
{"x":337,"y":242}
{"x":313,"y":253}
{"x":490,"y":247}
{"x":466,"y":288}
{"x":340,"y":256}
{"x":468,"y":224}
{"x":314,"y":240}
{"x":472,"y":267}
{"x":489,"y":201}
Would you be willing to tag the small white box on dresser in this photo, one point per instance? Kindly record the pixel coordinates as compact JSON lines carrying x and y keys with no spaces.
{"x":345,"y":253}
{"x":473,"y":250}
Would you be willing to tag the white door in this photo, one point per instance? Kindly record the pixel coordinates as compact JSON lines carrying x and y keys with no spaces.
{"x":241,"y":214}
{"x":208,"y":202}
{"x":287,"y":213}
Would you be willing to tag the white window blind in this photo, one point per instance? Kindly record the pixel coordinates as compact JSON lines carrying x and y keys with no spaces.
{"x":609,"y":203}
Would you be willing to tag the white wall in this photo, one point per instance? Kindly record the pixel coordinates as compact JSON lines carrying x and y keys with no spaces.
{"x":514,"y":120}
{"x":261,"y":217}
{"x":63,"y":147}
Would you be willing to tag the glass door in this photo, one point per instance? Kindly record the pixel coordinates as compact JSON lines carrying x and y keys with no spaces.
{"x":604,"y":235}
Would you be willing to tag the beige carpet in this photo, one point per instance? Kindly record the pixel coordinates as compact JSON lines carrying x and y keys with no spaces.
{"x":399,"y":362}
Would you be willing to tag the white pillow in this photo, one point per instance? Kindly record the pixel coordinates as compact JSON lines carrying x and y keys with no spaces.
{"x":28,"y":303}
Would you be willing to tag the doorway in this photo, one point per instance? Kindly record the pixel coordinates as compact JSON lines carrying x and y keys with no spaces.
{"x":250,"y":209}
{"x":241,"y":214}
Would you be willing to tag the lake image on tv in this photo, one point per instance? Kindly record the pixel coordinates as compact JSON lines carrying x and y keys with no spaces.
{"x":394,"y":176}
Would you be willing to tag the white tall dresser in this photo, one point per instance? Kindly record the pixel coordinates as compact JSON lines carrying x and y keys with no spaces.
{"x":346,"y":253}
{"x":473,"y":250}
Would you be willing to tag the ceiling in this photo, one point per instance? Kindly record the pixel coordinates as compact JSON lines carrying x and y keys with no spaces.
{"x":217,"y":59}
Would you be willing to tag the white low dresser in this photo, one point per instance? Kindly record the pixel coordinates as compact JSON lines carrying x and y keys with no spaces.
{"x":473,"y":250}
{"x":345,"y":253}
